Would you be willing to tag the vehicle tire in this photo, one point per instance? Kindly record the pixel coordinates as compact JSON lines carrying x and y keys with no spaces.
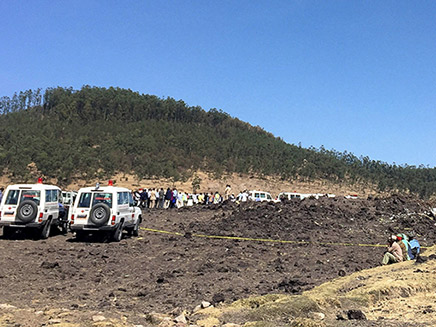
{"x":135,"y":230}
{"x":27,"y":211}
{"x":100,"y":214}
{"x":118,"y":233}
{"x":45,"y":232}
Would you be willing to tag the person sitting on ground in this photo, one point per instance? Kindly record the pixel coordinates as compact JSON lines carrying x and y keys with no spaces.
{"x":404,"y":245}
{"x":414,"y":247}
{"x":394,"y":253}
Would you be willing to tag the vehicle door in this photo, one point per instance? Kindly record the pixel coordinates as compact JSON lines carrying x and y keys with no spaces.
{"x":82,"y":208}
{"x":132,"y":209}
{"x":51,"y":205}
{"x":123,"y":210}
{"x":10,"y":204}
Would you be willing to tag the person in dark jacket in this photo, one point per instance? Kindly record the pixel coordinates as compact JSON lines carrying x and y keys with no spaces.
{"x":143,"y":198}
{"x":168,"y":196}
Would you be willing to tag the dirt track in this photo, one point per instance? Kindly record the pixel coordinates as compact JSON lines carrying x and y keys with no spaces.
{"x":162,"y":272}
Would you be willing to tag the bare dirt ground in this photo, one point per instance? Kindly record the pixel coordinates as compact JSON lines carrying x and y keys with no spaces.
{"x":166,"y":272}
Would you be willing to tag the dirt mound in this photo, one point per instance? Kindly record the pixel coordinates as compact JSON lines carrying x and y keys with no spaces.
{"x":324,"y":220}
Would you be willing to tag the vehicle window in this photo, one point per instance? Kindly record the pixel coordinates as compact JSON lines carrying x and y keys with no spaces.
{"x":12,"y":197}
{"x":31,"y":195}
{"x":268,"y":197}
{"x":105,"y":198}
{"x":54,"y":195}
{"x":84,"y":200}
{"x":48,"y":196}
{"x":262,"y":195}
{"x":131,"y":203}
{"x":122,"y":198}
{"x":126,"y":197}
{"x":59,"y":193}
{"x":256,"y":195}
{"x":51,"y":195}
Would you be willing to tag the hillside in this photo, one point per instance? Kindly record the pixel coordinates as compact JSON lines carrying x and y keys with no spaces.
{"x":96,"y":133}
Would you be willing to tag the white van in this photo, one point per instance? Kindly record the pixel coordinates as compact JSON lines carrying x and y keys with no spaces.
{"x":260,"y":196}
{"x":30,"y":206}
{"x":289,"y":196}
{"x":109,"y":209}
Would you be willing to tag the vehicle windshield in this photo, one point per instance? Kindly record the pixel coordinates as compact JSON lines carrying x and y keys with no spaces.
{"x":30,"y":195}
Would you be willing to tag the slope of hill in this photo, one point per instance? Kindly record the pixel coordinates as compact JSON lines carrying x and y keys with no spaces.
{"x":94,"y":133}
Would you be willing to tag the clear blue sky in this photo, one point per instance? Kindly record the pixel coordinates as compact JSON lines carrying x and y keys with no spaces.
{"x":350,"y":75}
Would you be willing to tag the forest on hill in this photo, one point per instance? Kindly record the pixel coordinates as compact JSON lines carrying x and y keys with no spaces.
{"x":96,"y":132}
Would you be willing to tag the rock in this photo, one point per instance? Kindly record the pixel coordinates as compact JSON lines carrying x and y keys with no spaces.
{"x":356,"y":315}
{"x":205,"y":304}
{"x":197,"y":308}
{"x":7,"y":306}
{"x":181,"y":319}
{"x":231,"y":325}
{"x":98,"y":318}
{"x":316,"y":315}
{"x":156,"y":318}
{"x":218,"y":297}
{"x":339,"y":317}
{"x":167,"y":322}
{"x":54,"y":321}
{"x":420,"y":259}
{"x":49,"y":265}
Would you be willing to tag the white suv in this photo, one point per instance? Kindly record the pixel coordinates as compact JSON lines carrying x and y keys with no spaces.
{"x":108,"y":209}
{"x":260,"y":196}
{"x":30,"y":205}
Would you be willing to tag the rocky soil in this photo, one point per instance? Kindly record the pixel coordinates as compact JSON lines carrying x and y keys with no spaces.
{"x":174,"y":272}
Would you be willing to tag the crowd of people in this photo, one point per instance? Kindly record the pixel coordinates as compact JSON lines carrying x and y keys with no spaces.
{"x":172,"y":198}
{"x":401,"y":247}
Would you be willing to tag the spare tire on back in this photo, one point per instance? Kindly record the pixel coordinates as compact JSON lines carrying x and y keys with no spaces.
{"x":27,"y":211}
{"x":100,"y":214}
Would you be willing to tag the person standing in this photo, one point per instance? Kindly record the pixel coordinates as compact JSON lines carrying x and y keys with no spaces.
{"x":161,"y":198}
{"x":152,"y":198}
{"x":156,"y":192}
{"x":227,"y":192}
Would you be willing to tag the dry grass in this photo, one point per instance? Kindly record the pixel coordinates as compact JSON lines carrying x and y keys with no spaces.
{"x":404,"y":292}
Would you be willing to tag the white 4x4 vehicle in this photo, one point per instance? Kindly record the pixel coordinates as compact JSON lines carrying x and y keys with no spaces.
{"x":108,"y":209}
{"x":260,"y":196}
{"x":30,"y":205}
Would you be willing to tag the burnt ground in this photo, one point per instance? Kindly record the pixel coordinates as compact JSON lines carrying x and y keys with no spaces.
{"x":161,"y":272}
